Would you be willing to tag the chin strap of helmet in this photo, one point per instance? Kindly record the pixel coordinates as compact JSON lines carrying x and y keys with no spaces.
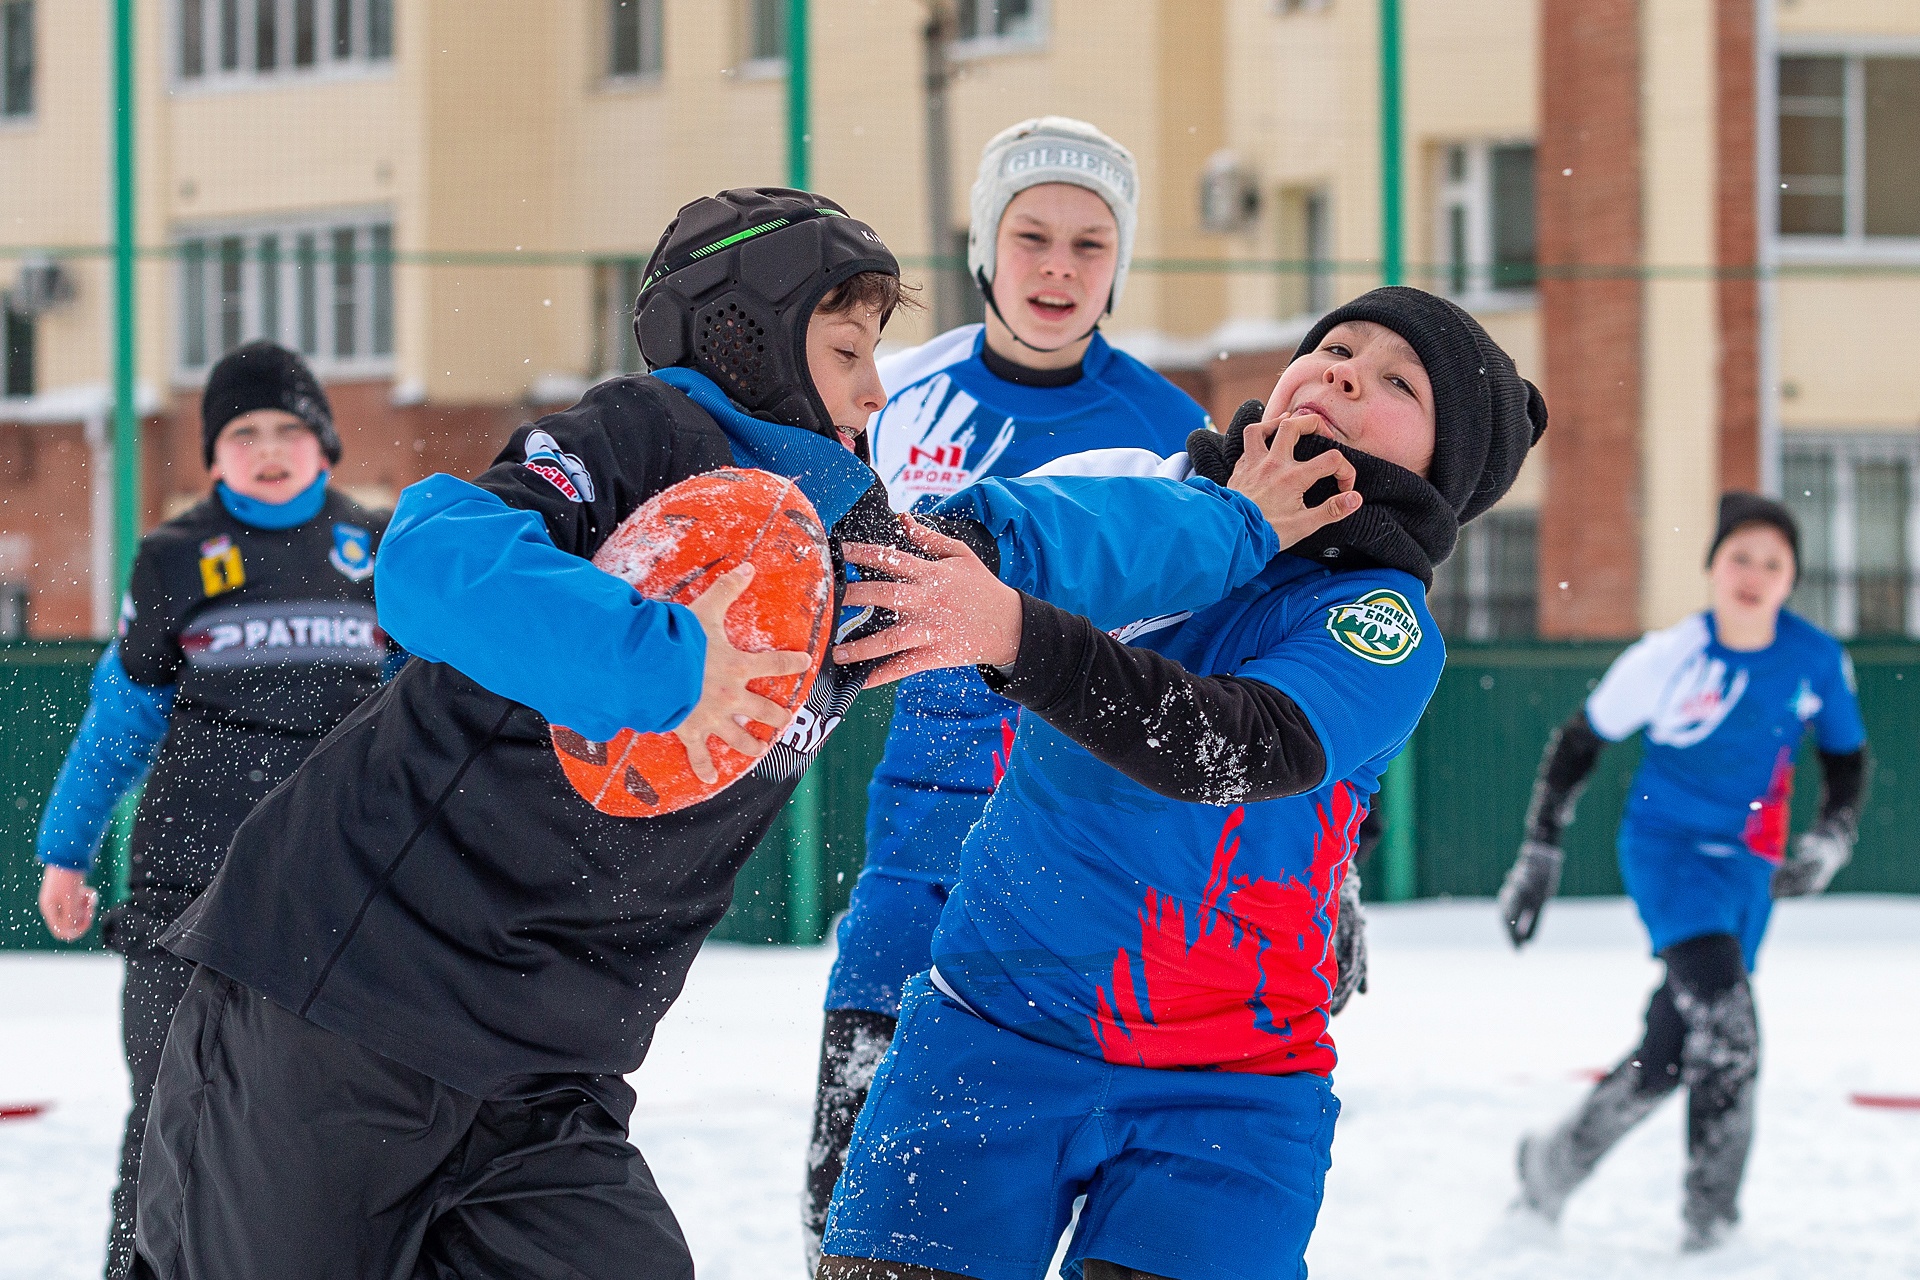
{"x":986,"y":291}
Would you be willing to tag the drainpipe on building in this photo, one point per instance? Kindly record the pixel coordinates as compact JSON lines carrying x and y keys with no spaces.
{"x":950,"y":283}
{"x":125,"y":449}
{"x":1399,"y":872}
{"x":803,"y":817}
{"x":102,"y":573}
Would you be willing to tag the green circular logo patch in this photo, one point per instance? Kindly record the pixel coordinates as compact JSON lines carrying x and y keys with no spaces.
{"x":1380,"y":627}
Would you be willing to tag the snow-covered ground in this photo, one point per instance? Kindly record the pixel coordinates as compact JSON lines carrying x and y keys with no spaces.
{"x":1459,"y":1047}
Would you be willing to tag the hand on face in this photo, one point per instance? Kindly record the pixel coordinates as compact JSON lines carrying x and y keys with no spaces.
{"x":1365,"y":388}
{"x":268,"y":455}
{"x":840,"y":346}
{"x":1277,"y":483}
{"x":1057,"y":251}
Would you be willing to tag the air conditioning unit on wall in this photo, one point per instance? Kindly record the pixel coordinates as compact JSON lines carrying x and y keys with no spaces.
{"x":41,"y":285}
{"x":1229,"y":194}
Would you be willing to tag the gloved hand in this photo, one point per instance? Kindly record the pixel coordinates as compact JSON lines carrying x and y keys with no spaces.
{"x":1349,"y":945}
{"x":1817,"y":858}
{"x":1524,"y":893}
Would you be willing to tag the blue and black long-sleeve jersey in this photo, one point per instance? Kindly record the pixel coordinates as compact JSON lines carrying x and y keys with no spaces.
{"x":429,"y":885}
{"x":247,"y":633}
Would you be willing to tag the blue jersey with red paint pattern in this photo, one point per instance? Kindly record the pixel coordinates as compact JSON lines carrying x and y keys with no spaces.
{"x":1723,"y":726}
{"x":1102,"y":917}
{"x":950,"y":421}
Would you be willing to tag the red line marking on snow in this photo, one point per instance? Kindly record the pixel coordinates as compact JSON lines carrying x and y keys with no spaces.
{"x":1592,"y":1075}
{"x":1887,"y":1101}
{"x":23,"y":1110}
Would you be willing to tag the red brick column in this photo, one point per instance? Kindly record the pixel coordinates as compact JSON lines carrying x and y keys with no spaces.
{"x":1590,"y":300}
{"x":1736,"y":233}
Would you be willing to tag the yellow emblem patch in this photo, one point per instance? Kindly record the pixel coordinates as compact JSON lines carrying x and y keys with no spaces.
{"x":220,"y":567}
{"x":1380,"y":627}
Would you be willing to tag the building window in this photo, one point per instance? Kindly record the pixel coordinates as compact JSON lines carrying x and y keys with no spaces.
{"x":228,"y":40}
{"x":13,"y":611}
{"x":1858,"y":507}
{"x":1487,"y":589}
{"x":1287,"y":8}
{"x":1849,"y":146}
{"x":1306,"y":249}
{"x":16,"y":356}
{"x":1485,"y":239}
{"x":330,"y":298}
{"x":992,"y":23}
{"x":635,"y":30}
{"x":765,"y":31}
{"x":16,"y":59}
{"x":616,"y":285}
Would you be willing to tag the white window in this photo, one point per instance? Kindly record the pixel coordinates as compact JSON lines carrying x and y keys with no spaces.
{"x":1305,"y":223}
{"x":1485,"y":237}
{"x":987,"y":26}
{"x":616,"y":285}
{"x":1858,"y":507}
{"x":325,"y":290}
{"x":635,"y":43}
{"x":226,"y":41}
{"x":16,"y":59}
{"x":1488,"y":589}
{"x":1849,"y":146}
{"x":763,"y":36}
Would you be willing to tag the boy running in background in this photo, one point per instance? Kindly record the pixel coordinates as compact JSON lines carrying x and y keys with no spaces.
{"x":248,"y":632}
{"x":1131,"y":981}
{"x":1724,"y":697}
{"x":1055,"y":208}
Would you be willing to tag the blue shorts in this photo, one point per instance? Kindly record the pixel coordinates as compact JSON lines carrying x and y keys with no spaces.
{"x":1688,"y":886}
{"x":885,"y":938}
{"x":975,"y":1142}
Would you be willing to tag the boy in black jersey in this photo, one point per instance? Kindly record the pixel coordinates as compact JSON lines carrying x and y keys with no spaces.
{"x":247,"y":634}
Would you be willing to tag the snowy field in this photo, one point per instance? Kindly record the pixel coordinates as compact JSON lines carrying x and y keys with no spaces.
{"x":1459,"y":1047}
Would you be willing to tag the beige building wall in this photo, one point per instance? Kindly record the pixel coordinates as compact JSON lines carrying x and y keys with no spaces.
{"x":1679,"y":402}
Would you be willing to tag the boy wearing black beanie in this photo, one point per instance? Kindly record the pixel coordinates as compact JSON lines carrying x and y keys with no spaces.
{"x":1132,"y":981}
{"x":247,"y":633}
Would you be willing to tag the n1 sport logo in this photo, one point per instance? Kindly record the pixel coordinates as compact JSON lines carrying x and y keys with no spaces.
{"x":1380,"y":627}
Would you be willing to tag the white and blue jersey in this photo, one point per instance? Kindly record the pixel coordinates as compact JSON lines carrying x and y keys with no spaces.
{"x":1706,"y":819}
{"x":949,"y":421}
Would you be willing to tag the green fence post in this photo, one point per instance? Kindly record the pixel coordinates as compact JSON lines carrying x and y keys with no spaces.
{"x":126,"y":415}
{"x":1390,"y":212}
{"x":803,"y":859}
{"x":1399,"y":871}
{"x":799,"y":126}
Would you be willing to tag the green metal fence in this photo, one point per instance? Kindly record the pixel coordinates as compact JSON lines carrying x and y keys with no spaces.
{"x":1473,"y":764}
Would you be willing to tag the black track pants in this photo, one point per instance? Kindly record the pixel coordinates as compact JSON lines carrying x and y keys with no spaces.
{"x":852,"y":1042}
{"x":155,"y":981}
{"x":275,"y":1148}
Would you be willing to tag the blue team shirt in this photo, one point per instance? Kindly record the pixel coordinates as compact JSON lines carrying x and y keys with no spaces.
{"x":1099,"y":916}
{"x":1722,"y":727}
{"x":949,"y":421}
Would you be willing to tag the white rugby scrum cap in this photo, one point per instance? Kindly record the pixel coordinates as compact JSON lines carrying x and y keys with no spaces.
{"x":1051,"y":149}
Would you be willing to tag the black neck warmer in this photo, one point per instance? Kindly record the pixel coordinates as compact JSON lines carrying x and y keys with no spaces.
{"x":1403,"y":522}
{"x":1023,"y":376}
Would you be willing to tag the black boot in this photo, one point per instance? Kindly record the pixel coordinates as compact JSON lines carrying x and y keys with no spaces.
{"x":1721,"y":1067}
{"x":852,"y":1042}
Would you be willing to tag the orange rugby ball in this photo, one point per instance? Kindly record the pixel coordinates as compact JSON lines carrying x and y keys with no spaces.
{"x":672,"y":548}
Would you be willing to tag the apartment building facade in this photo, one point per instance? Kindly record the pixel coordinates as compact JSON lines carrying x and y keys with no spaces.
{"x":1688,"y":219}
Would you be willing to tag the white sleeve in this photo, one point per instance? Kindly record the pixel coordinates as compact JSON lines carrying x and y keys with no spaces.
{"x":1117,"y":462}
{"x":1628,"y":696}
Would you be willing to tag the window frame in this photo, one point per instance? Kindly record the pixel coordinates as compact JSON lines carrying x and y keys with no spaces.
{"x":214,"y":77}
{"x":613,"y":301}
{"x":653,"y":11}
{"x":1843,"y":451}
{"x":1472,"y":197}
{"x":26,"y":118}
{"x":1471,"y":569}
{"x":304,"y":303}
{"x":965,"y":46}
{"x":1853,"y":244}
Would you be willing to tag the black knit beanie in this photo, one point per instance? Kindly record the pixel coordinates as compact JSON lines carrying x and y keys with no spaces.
{"x":1739,"y":508}
{"x":264,"y":375}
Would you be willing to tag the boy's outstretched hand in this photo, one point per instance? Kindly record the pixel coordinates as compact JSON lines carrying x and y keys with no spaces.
{"x":953,"y":612}
{"x":1277,"y":483}
{"x":726,"y":705}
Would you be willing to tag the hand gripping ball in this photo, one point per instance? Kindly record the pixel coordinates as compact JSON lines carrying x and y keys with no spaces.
{"x":672,"y":548}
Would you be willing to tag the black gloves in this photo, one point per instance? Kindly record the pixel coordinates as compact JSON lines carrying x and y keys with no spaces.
{"x":1817,"y":857}
{"x":1349,"y":945}
{"x":1524,"y":893}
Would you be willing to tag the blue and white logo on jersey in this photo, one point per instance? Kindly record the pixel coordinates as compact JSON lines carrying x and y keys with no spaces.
{"x":1697,"y":702}
{"x":934,"y":440}
{"x":352,"y":552}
